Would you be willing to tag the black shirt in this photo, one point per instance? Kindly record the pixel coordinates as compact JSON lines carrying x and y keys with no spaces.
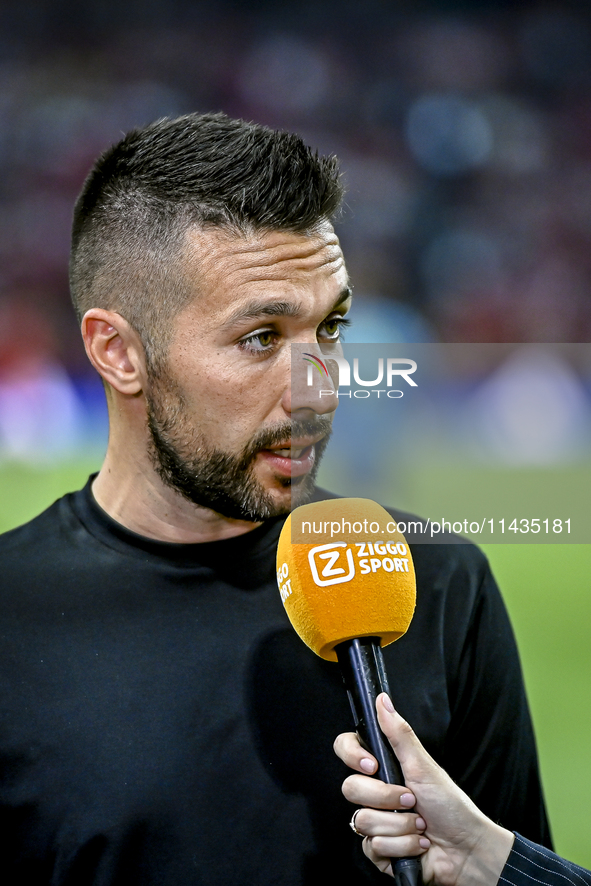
{"x":161,"y":723}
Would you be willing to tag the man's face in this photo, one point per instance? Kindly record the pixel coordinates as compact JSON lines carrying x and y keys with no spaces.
{"x":227,"y":431}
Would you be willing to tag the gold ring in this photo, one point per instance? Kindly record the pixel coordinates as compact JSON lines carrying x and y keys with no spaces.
{"x":352,"y":823}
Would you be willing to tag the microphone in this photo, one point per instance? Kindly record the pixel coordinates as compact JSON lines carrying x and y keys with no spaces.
{"x":346,"y":597}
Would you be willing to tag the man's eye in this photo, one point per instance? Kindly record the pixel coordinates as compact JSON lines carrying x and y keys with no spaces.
{"x":259,"y":342}
{"x":332,"y":328}
{"x":265,"y":338}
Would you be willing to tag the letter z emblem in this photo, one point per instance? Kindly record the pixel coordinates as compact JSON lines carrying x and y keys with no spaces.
{"x":327,"y":573}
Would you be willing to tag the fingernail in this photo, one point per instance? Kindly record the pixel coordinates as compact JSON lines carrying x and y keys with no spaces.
{"x":420,"y":824}
{"x":388,"y":703}
{"x":367,"y":765}
{"x":407,"y":800}
{"x":424,"y":842}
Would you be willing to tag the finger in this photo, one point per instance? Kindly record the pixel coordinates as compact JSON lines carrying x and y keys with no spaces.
{"x":382,"y":862}
{"x":411,"y":754}
{"x":347,"y":747}
{"x":377,"y":823}
{"x":381,"y":849}
{"x":366,"y":791}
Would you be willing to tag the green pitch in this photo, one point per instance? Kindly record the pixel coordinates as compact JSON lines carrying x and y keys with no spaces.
{"x":547,"y":591}
{"x":25,"y":491}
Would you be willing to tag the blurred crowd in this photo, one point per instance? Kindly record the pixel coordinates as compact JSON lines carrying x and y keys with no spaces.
{"x":463,"y":129}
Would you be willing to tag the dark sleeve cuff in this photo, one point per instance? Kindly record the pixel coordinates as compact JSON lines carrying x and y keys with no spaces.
{"x":529,"y":864}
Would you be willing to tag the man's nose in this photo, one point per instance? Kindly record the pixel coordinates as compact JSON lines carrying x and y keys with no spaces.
{"x":312,"y":386}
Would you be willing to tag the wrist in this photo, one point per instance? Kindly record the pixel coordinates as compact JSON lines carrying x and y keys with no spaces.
{"x":485,"y":863}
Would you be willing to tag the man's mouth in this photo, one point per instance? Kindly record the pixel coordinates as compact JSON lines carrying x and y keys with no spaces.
{"x":290,"y":453}
{"x":294,"y":460}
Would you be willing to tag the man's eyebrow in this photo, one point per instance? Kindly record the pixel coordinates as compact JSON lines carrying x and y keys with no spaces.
{"x":254,"y":309}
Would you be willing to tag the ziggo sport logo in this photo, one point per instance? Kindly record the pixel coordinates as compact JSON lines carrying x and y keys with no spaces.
{"x":399,"y":367}
{"x":334,"y":563}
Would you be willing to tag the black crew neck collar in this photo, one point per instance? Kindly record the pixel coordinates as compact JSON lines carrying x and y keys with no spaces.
{"x":99,"y":523}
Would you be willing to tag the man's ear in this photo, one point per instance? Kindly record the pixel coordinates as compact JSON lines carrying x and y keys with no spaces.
{"x":114,"y":349}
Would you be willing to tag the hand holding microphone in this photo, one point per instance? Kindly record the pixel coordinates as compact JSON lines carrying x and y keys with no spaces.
{"x":460,"y":846}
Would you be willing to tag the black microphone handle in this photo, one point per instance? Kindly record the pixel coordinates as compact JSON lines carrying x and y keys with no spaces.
{"x":364,"y":675}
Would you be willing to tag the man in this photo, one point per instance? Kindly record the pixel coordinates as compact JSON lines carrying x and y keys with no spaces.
{"x":161,"y":722}
{"x":459,"y":846}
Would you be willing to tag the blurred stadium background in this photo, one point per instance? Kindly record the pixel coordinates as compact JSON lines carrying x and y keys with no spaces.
{"x":464,"y":131}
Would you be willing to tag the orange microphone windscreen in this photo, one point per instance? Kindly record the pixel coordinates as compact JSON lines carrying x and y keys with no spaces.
{"x":344,"y":571}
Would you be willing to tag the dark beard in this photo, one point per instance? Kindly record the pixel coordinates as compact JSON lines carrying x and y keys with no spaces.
{"x":218,"y":480}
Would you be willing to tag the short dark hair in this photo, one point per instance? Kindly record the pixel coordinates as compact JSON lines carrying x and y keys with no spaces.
{"x":144,"y":193}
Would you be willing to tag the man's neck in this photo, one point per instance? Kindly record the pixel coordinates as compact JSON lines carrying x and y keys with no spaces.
{"x":136,"y":497}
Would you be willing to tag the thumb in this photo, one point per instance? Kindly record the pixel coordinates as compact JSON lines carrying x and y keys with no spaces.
{"x":417,"y":764}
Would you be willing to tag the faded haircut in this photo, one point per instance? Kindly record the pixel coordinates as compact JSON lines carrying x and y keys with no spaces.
{"x":147,"y":191}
